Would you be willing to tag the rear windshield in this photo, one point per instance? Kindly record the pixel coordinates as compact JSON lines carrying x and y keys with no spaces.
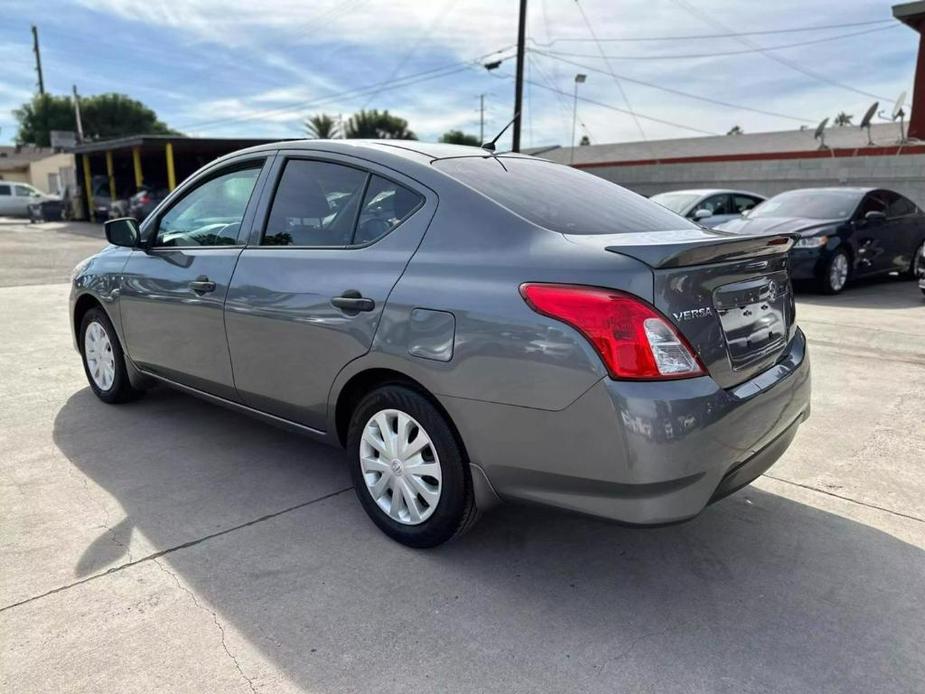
{"x":810,"y":204}
{"x":561,"y":198}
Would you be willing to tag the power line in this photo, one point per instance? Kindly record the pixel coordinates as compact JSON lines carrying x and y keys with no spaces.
{"x":613,"y":74}
{"x":728,"y":34}
{"x":709,"y":19}
{"x":688,"y":56}
{"x":678,"y":92}
{"x":611,"y":107}
{"x":405,"y":81}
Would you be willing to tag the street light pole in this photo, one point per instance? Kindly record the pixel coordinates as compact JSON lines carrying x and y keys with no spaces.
{"x":579,"y":79}
{"x":481,"y":118}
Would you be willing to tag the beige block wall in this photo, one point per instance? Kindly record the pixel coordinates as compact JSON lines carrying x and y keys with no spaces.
{"x":21,"y":175}
{"x":39,"y":170}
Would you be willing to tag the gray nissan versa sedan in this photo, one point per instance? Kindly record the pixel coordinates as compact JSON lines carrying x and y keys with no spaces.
{"x":471,"y":327}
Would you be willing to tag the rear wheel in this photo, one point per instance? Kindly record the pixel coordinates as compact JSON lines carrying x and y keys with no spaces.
{"x":104,"y":362}
{"x":836,"y":272}
{"x":409,"y":472}
{"x":917,"y":264}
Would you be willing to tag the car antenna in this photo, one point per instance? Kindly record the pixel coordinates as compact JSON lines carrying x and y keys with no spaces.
{"x":490,"y":146}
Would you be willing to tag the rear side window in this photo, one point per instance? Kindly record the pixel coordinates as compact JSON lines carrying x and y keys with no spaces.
{"x":561,"y":198}
{"x":316,"y":204}
{"x":6,"y":190}
{"x":385,"y":206}
{"x":743,"y":203}
{"x":897,"y":205}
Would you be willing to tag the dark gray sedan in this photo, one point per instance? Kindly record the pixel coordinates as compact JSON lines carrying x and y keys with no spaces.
{"x":471,"y":327}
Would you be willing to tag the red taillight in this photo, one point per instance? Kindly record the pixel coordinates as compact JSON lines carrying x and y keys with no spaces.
{"x":632,"y":338}
{"x":144,"y":200}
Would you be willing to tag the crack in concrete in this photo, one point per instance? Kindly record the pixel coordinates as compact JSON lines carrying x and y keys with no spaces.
{"x":843,"y":498}
{"x":221,"y":628}
{"x":170,"y":550}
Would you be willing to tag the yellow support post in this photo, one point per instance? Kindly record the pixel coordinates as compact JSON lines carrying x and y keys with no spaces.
{"x":171,"y":174}
{"x":88,"y":186}
{"x":111,"y":177}
{"x":136,"y":162}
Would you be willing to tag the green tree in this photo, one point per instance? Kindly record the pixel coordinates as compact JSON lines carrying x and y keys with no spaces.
{"x":735,"y":130}
{"x":843,"y":119}
{"x":378,"y":125}
{"x":103,"y":116}
{"x":458,"y":137}
{"x":321,"y":127}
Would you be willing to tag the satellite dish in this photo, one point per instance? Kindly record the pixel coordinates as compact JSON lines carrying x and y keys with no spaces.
{"x":820,"y":133}
{"x":899,"y":113}
{"x":865,"y":121}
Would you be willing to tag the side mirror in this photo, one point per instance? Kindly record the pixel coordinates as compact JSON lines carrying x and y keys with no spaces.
{"x":875,"y":217}
{"x":122,"y":232}
{"x":702,"y":214}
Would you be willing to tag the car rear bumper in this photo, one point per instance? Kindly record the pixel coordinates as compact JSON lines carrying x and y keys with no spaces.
{"x":644,"y":453}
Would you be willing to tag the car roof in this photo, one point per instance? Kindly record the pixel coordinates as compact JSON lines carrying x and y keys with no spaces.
{"x":860,"y":190}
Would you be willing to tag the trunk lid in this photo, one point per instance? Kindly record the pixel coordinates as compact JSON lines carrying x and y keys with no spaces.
{"x":728,"y":294}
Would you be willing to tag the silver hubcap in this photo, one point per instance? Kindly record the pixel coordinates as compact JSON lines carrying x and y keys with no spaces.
{"x":100,"y":360}
{"x":400,"y":467}
{"x":838,"y":274}
{"x":918,"y":261}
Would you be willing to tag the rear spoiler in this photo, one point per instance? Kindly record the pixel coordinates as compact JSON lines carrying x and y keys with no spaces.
{"x":702,"y":251}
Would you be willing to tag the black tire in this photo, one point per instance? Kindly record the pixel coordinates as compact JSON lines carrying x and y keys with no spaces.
{"x":918,"y":258}
{"x":121,"y":389}
{"x":825,"y":282}
{"x":455,"y":511}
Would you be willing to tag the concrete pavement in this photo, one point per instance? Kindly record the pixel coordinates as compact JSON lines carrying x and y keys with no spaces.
{"x":170,"y":545}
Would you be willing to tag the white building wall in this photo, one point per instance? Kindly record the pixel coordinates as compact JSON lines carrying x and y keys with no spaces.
{"x":904,"y":173}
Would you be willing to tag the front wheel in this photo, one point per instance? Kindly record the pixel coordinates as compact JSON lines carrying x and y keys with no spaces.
{"x":103,"y":360}
{"x":917,"y":266}
{"x":409,"y":472}
{"x":836,"y":272}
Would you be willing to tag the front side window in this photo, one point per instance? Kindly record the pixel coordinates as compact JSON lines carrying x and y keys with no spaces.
{"x":211,"y":214}
{"x":871,"y":203}
{"x":897,"y":205}
{"x":316,"y":204}
{"x":25,"y":191}
{"x":717,"y":204}
{"x":743,"y":203}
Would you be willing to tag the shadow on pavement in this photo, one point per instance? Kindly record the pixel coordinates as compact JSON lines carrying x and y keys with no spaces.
{"x":884,"y":292}
{"x":759,"y":593}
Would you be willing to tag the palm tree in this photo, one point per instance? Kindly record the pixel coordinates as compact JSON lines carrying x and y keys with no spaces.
{"x":321,"y":127}
{"x":378,"y":125}
{"x":843,"y":119}
{"x":458,"y":137}
{"x":736,"y":130}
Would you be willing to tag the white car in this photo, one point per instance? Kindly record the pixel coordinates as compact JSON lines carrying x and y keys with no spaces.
{"x":709,"y":206}
{"x":15,"y":198}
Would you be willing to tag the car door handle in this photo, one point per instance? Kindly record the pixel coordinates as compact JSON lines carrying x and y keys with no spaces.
{"x":202,"y":285}
{"x":351,"y":301}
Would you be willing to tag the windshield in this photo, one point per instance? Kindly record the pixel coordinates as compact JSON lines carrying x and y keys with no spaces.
{"x":676,"y":202}
{"x":559,"y":197}
{"x":811,"y":204}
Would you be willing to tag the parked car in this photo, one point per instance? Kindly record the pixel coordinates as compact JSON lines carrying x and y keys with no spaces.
{"x":709,"y":207}
{"x":16,"y":197}
{"x":470,"y":327}
{"x":844,"y":233}
{"x":144,"y":201}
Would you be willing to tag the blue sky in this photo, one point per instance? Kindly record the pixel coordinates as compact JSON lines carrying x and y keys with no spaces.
{"x":247,"y":68}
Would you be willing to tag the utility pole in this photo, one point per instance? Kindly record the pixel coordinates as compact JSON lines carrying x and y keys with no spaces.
{"x":519,"y":84}
{"x":38,"y":59}
{"x":38,"y":69}
{"x":80,"y":127}
{"x":481,"y":118}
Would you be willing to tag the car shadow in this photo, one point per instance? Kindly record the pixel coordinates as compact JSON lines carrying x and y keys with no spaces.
{"x":759,"y":593}
{"x":884,"y":292}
